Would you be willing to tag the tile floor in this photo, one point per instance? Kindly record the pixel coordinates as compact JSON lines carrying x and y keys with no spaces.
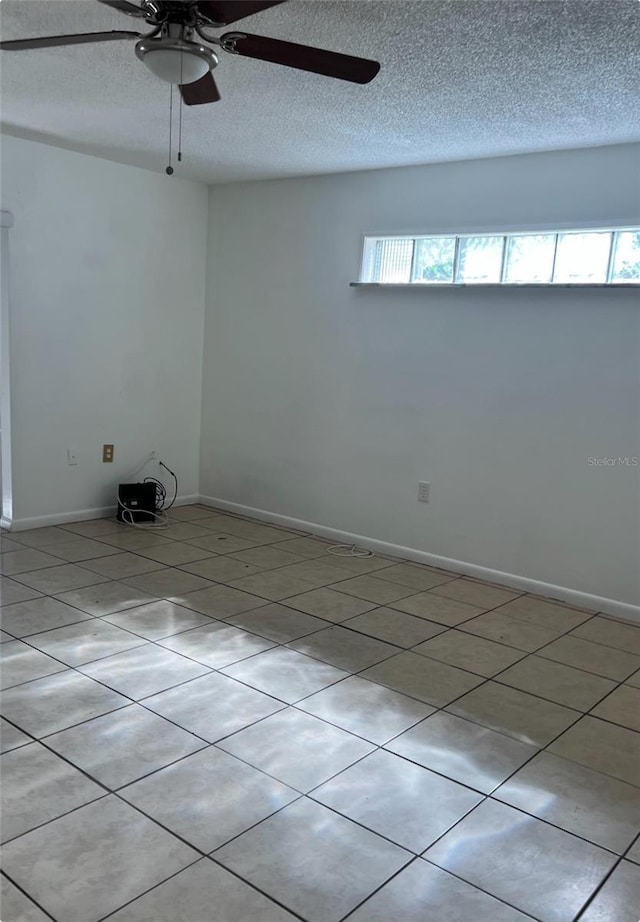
{"x":221,"y":722}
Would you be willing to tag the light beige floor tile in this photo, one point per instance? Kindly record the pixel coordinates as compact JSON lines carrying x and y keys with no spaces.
{"x":168,"y":583}
{"x":144,"y":671}
{"x":21,"y":663}
{"x":136,"y":539}
{"x":437,"y":608}
{"x":52,"y":535}
{"x":602,"y":746}
{"x":11,"y":737}
{"x":191,"y":894}
{"x":277,"y":622}
{"x":221,"y":569}
{"x":329,"y":604}
{"x":510,"y":631}
{"x":223,"y":543}
{"x":213,"y":706}
{"x":14,"y":562}
{"x":5,"y":638}
{"x":611,"y":633}
{"x":78,"y":548}
{"x":621,"y":707}
{"x":157,"y":620}
{"x":209,"y":797}
{"x":418,"y":807}
{"x":522,"y":716}
{"x":464,"y":751}
{"x":371,"y":711}
{"x":123,"y":746}
{"x":317,"y":573}
{"x":357,"y":566}
{"x":592,"y":657}
{"x":54,"y":580}
{"x":416,"y":577}
{"x":531,"y":862}
{"x":90,"y":854}
{"x":373,"y":589}
{"x":216,"y":644}
{"x":584,"y":802}
{"x":556,"y":682}
{"x":422,"y":678}
{"x":176,"y":553}
{"x":121,"y":566}
{"x":285,"y":674}
{"x":56,"y":702}
{"x":272,"y":584}
{"x":105,"y":598}
{"x":185,"y":531}
{"x":394,"y":627}
{"x":634,"y":852}
{"x":544,"y":613}
{"x":95,"y":528}
{"x":15,"y":905}
{"x":304,"y":547}
{"x":298,"y":749}
{"x":619,"y":899}
{"x":42,"y":614}
{"x":9,"y":544}
{"x":219,"y":601}
{"x":11,"y":591}
{"x":479,"y":594}
{"x":267,"y":557}
{"x":81,"y":643}
{"x":321,"y":877}
{"x":343,"y":648}
{"x":189,"y":513}
{"x":475,"y":654}
{"x":424,"y":892}
{"x":37,"y":787}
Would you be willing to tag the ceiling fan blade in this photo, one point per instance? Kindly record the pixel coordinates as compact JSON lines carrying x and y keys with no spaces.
{"x":302,"y":57}
{"x":51,"y":41}
{"x":123,"y":6}
{"x":224,"y":12}
{"x":200,"y":91}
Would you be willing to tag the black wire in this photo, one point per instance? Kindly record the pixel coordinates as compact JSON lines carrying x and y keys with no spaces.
{"x":175,"y":494}
{"x":170,"y":119}
{"x":180,"y":126}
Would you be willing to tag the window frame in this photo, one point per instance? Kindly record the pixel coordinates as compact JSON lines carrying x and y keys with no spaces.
{"x":368,"y":243}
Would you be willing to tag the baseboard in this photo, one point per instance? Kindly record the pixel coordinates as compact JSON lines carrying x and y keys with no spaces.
{"x":574,"y":597}
{"x":79,"y":515}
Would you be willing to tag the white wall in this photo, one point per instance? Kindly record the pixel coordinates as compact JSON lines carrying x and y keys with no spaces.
{"x":107,"y":304}
{"x":329,"y":404}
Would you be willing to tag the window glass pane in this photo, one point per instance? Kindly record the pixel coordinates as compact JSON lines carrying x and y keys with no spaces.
{"x":434,"y":259}
{"x":582,"y":258}
{"x":626,"y":257}
{"x":530,"y":258}
{"x":393,"y":260}
{"x":479,"y":259}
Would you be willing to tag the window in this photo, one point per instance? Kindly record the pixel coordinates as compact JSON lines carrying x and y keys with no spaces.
{"x":594,"y":257}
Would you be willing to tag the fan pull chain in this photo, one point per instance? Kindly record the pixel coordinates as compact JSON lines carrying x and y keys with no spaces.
{"x":169,"y":170}
{"x":180,"y":123}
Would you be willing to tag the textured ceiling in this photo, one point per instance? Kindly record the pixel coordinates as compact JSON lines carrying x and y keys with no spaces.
{"x":460,"y":79}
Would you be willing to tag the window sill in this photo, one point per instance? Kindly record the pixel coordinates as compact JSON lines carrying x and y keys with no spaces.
{"x":482,"y":286}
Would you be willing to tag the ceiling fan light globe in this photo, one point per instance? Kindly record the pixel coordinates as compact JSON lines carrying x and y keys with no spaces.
{"x":175,"y":60}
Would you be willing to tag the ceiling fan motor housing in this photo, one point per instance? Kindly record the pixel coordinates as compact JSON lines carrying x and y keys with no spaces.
{"x":173,"y":57}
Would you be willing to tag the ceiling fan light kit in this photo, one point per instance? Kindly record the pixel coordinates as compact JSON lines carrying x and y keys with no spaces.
{"x":174,"y":57}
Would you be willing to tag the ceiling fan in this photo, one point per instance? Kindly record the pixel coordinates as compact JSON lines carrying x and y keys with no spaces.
{"x":173,"y":52}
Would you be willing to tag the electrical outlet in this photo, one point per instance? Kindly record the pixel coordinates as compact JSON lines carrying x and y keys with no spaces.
{"x":423,"y":492}
{"x":107,"y":454}
{"x":72,"y":456}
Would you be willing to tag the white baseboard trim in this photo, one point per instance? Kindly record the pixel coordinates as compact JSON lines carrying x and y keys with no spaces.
{"x":79,"y":515}
{"x":574,"y":597}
